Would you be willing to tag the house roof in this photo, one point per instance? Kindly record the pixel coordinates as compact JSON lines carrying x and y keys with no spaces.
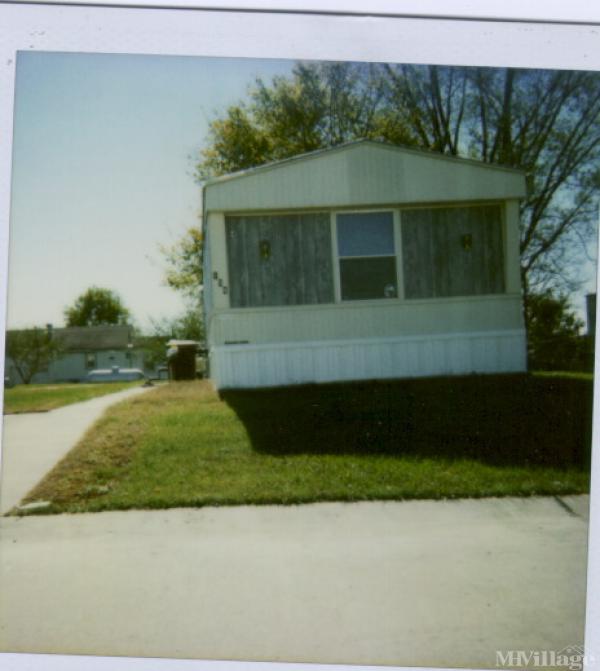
{"x":94,"y":338}
{"x":355,"y":143}
{"x":362,"y":173}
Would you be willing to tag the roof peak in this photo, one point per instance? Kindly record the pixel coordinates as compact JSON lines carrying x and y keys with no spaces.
{"x":343,"y":146}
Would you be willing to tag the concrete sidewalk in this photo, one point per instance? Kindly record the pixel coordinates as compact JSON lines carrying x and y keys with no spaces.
{"x":32,"y":443}
{"x":407,"y":583}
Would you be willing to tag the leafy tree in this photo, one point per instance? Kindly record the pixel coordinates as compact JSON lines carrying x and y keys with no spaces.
{"x":184,"y":265}
{"x":320,"y":105}
{"x":236,"y":143}
{"x":154,"y":349}
{"x":433,"y":101}
{"x":187,"y":326}
{"x":554,"y":341}
{"x":31,"y":351}
{"x":184,"y":274}
{"x":97,"y":307}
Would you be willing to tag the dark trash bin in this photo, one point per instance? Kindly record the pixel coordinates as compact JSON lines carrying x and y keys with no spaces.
{"x":181,"y":357}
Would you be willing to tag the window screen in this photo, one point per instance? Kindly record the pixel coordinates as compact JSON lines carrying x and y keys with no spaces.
{"x":279,"y":259}
{"x":366,"y":253}
{"x":454,"y":251}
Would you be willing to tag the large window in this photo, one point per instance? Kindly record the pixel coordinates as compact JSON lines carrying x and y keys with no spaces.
{"x":279,"y":259}
{"x":452,"y":251}
{"x":366,"y":251}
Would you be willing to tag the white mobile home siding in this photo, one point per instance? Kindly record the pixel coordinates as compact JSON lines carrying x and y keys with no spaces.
{"x":280,"y":364}
{"x":363,"y":339}
{"x":362,"y":174}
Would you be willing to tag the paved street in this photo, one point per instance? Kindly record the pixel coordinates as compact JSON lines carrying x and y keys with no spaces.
{"x":406,"y":583}
{"x":32,"y":443}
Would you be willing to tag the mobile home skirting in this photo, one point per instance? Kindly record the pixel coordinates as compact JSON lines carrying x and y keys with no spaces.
{"x":280,"y":364}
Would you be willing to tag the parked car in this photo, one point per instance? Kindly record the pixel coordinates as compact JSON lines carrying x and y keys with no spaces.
{"x":8,"y":383}
{"x":115,"y":374}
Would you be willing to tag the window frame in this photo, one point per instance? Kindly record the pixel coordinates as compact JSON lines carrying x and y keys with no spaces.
{"x":397,"y":254}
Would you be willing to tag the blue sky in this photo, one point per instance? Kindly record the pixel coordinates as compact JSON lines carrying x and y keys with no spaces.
{"x":102,"y":174}
{"x":102,"y":161}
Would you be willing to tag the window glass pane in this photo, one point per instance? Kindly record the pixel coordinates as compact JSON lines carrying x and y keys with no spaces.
{"x":361,"y":279}
{"x":365,"y":234}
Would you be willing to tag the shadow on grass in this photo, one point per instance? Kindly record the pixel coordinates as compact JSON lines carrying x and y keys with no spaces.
{"x":511,"y":420}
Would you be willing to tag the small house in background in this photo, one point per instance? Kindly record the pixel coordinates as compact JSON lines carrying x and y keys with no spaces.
{"x":363,"y":261}
{"x":85,"y":349}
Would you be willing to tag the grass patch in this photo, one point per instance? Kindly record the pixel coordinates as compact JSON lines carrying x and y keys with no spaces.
{"x":575,"y":375}
{"x":44,"y":397}
{"x":184,"y":445}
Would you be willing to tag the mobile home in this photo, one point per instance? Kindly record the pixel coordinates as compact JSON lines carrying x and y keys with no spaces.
{"x":363,"y":261}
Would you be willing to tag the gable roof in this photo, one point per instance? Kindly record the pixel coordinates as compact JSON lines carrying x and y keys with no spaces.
{"x":364,"y":172}
{"x":93,"y":338}
{"x":355,"y":143}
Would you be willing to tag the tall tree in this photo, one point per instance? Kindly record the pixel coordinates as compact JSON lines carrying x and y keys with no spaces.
{"x":319,"y":105}
{"x":183,"y":273}
{"x":432,"y":101}
{"x":31,"y":351}
{"x":97,"y":307}
{"x":548,"y":124}
{"x":184,"y":265}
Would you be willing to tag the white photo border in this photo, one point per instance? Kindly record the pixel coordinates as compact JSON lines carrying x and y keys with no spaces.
{"x":311,"y":36}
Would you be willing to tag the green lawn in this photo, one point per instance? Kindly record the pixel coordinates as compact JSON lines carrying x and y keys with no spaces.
{"x":577,"y":375}
{"x":43,"y":397}
{"x":183,"y":445}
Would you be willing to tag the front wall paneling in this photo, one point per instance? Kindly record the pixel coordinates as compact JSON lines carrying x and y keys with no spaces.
{"x":277,"y":260}
{"x":455,"y":251}
{"x":363,"y":174}
{"x":367,"y":319}
{"x":298,"y":363}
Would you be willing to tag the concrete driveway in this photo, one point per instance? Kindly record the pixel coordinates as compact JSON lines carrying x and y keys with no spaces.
{"x":32,"y":443}
{"x":407,"y":583}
